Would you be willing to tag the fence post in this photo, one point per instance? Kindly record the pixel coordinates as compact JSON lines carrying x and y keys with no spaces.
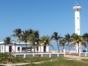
{"x":24,"y":56}
{"x":85,"y":54}
{"x":58,"y":55}
{"x":41,"y":55}
{"x":33,"y":55}
{"x":49,"y":55}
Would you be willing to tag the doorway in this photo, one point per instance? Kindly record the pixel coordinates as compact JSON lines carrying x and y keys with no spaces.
{"x":10,"y":48}
{"x":44,"y":48}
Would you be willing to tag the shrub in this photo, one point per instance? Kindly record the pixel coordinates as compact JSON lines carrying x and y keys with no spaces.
{"x":6,"y":57}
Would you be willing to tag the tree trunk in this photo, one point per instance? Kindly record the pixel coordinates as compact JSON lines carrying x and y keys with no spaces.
{"x":69,"y":47}
{"x":58,"y":46}
{"x":78,"y":48}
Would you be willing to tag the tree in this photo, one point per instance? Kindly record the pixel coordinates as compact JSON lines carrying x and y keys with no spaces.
{"x":77,"y":40}
{"x":56,"y":37}
{"x":62,"y":43}
{"x":34,"y":38}
{"x":7,"y":41}
{"x":25,"y":36}
{"x":68,"y":40}
{"x":18,"y":33}
{"x":46,"y":41}
{"x":85,"y":37}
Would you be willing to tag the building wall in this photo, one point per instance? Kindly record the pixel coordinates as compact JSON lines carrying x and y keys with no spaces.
{"x":1,"y":48}
{"x":14,"y":48}
{"x":41,"y":49}
{"x":47,"y":49}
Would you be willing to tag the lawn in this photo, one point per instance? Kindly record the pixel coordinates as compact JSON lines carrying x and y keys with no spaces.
{"x":60,"y":62}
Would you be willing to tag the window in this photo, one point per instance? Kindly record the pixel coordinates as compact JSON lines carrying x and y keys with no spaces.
{"x":78,"y":29}
{"x":77,"y":17}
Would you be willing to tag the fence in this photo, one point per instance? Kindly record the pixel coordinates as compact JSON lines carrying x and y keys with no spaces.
{"x":83,"y":54}
{"x":25,"y":55}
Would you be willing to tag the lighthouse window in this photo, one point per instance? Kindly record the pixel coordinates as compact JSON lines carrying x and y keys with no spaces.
{"x":77,"y":17}
{"x":78,"y":29}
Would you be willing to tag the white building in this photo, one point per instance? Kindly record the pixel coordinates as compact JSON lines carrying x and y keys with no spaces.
{"x":77,"y":9}
{"x":10,"y":48}
{"x":42,"y":49}
{"x":19,"y":48}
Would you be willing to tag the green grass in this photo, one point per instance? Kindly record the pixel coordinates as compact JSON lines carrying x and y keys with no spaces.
{"x":36,"y":59}
{"x":86,"y":60}
{"x":61,"y":62}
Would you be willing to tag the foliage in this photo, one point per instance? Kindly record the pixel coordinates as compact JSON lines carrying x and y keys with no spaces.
{"x":62,"y":42}
{"x":85,"y":37}
{"x":6,"y":57}
{"x":46,"y":40}
{"x":68,"y":40}
{"x":76,"y":39}
{"x":7,"y":40}
{"x":34,"y":39}
{"x":56,"y":37}
{"x":18,"y":33}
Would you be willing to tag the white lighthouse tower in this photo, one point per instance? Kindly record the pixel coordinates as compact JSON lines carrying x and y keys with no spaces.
{"x":77,"y":9}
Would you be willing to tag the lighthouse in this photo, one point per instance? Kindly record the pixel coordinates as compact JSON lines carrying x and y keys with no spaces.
{"x":77,"y":9}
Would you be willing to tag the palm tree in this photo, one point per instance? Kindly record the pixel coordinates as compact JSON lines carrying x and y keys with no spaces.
{"x":77,"y":40}
{"x":68,"y":40}
{"x":7,"y":41}
{"x":85,"y":37}
{"x":30,"y":35}
{"x":46,"y":41}
{"x":62,"y":43}
{"x":18,"y":33}
{"x":30,"y":31}
{"x":56,"y":37}
{"x":25,"y":36}
{"x":36,"y":34}
{"x":33,"y":38}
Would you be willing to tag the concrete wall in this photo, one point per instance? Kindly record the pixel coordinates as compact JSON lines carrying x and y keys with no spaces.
{"x":83,"y":54}
{"x":25,"y":55}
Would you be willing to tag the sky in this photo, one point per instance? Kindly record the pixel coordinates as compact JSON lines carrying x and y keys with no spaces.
{"x":47,"y":16}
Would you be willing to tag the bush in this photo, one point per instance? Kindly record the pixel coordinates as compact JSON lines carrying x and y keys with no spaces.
{"x":6,"y":57}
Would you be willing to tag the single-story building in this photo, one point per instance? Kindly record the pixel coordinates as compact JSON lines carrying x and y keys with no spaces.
{"x":16,"y":47}
{"x":10,"y":48}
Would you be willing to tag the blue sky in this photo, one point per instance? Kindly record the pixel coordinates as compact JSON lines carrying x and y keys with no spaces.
{"x":47,"y":16}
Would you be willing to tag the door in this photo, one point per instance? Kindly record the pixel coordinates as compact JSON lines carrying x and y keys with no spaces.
{"x":10,"y":48}
{"x":44,"y":48}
